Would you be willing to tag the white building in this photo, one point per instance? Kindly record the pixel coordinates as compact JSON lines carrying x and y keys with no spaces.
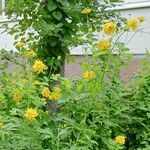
{"x":131,"y":8}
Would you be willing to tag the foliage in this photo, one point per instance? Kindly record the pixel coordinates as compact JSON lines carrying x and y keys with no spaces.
{"x":51,"y":27}
{"x":90,"y":113}
{"x":97,"y":112}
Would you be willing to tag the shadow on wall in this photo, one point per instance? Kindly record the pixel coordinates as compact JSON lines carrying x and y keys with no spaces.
{"x":73,"y":70}
{"x":12,"y":66}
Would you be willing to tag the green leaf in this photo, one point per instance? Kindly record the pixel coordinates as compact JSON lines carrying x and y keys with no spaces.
{"x":64,"y":3}
{"x":148,"y":115}
{"x":59,"y":25}
{"x":57,"y":15}
{"x":51,"y":5}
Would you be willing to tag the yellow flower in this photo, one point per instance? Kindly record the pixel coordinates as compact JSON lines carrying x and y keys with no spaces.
{"x":141,"y":19}
{"x":57,"y":89}
{"x":39,"y":67}
{"x":45,"y":92}
{"x":104,"y":45}
{"x":21,"y":44}
{"x":17,"y":96}
{"x":31,"y":53}
{"x":120,"y":139}
{"x":133,"y":24}
{"x":109,"y":28}
{"x":89,"y":75}
{"x":31,"y":114}
{"x":1,"y":125}
{"x":86,"y":10}
{"x":56,"y":94}
{"x":36,"y":82}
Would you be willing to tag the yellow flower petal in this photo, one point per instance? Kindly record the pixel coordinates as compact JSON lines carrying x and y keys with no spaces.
{"x":109,"y":28}
{"x":39,"y":67}
{"x":31,"y":114}
{"x":89,"y":75}
{"x":86,"y":10}
{"x":120,"y":139}
{"x":21,"y":44}
{"x":133,"y":24}
{"x":45,"y":92}
{"x":17,"y":96}
{"x":104,"y":45}
{"x":31,"y":53}
{"x":141,"y":19}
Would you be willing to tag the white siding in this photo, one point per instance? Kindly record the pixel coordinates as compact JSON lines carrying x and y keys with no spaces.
{"x":135,"y":1}
{"x":140,"y":43}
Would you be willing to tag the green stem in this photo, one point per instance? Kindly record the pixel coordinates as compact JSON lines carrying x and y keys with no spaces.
{"x":133,"y":36}
{"x":105,"y":67}
{"x":58,"y":140}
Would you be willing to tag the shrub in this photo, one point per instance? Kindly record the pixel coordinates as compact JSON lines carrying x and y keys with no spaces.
{"x":41,"y":110}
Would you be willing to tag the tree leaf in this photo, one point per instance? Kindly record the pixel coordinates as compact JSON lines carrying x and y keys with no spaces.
{"x":51,"y":5}
{"x":57,"y":15}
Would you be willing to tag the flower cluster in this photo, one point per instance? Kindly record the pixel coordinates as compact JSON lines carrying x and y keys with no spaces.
{"x":52,"y":95}
{"x":89,"y":75}
{"x":17,"y":96}
{"x":109,"y":28}
{"x":104,"y":45}
{"x":133,"y":24}
{"x":31,"y":53}
{"x":21,"y":44}
{"x":56,"y":94}
{"x":31,"y":114}
{"x":45,"y":92}
{"x":39,"y":67}
{"x":120,"y":139}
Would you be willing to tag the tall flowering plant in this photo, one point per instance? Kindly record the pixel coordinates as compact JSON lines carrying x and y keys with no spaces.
{"x":41,"y":111}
